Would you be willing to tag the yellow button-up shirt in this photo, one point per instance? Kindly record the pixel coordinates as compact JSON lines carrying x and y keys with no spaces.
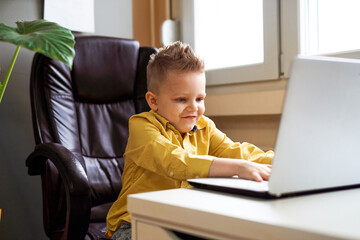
{"x":158,"y":157}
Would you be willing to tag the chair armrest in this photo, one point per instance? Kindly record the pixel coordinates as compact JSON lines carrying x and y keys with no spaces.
{"x":74,"y":178}
{"x":67,"y":163}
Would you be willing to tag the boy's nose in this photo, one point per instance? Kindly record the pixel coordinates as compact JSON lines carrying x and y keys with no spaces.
{"x":193,"y":107}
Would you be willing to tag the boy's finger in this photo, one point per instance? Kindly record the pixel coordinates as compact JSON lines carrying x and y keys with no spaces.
{"x":265,"y":176}
{"x":265,"y":173}
{"x":257,"y":177}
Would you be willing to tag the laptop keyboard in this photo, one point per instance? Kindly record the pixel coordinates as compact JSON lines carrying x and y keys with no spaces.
{"x":236,"y":183}
{"x":243,"y":184}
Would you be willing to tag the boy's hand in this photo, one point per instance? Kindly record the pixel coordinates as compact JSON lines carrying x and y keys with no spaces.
{"x":254,"y":171}
{"x":227,"y":167}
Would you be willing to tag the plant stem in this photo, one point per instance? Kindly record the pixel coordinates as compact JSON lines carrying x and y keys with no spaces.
{"x":9,"y":72}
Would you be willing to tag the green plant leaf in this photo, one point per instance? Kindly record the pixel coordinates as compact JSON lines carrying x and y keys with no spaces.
{"x":48,"y":38}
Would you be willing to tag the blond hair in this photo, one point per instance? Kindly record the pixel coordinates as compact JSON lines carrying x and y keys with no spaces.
{"x":177,"y":57}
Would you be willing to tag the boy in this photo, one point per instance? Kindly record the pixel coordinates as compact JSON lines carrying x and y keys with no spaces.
{"x":174,"y":141}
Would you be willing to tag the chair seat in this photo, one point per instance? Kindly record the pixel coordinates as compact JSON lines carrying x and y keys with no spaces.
{"x":98,"y":213}
{"x":96,"y":231}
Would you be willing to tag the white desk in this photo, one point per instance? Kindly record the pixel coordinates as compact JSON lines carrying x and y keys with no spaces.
{"x":333,"y":215}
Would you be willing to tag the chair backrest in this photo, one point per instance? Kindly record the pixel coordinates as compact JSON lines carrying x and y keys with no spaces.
{"x":86,"y":110}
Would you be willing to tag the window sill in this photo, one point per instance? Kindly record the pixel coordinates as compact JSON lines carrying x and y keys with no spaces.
{"x":262,"y":102}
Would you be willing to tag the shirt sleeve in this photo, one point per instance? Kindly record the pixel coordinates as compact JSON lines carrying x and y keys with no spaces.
{"x":222,"y":146}
{"x":149,"y":148}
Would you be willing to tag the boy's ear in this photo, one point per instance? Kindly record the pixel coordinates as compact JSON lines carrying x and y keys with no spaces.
{"x":151,"y":99}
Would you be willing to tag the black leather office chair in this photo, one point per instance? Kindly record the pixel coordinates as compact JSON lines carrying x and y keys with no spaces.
{"x":80,"y":120}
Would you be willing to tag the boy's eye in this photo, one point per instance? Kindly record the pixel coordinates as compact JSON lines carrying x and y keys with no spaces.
{"x":180,"y":99}
{"x":199,"y":99}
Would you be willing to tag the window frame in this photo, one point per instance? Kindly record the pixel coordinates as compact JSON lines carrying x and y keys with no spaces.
{"x":268,"y":70}
{"x":288,"y":46}
{"x":291,"y":35}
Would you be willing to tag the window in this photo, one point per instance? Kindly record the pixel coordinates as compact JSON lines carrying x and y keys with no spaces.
{"x":245,"y":41}
{"x":216,"y":28}
{"x":319,"y":27}
{"x":238,"y":39}
{"x":329,"y":26}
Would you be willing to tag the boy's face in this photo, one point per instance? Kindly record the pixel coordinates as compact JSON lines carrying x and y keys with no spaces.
{"x":180,"y":99}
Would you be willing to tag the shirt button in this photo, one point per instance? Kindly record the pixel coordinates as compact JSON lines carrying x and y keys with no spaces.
{"x":177,"y":135}
{"x":171,"y":174}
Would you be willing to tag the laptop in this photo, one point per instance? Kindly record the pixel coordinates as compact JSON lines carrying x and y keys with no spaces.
{"x":318,"y":144}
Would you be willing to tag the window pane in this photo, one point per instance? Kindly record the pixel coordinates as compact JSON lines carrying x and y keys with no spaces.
{"x":330,"y":26}
{"x":229,"y":33}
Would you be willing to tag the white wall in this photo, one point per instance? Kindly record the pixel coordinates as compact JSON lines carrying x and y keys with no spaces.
{"x":113,"y":18}
{"x":20,"y":194}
